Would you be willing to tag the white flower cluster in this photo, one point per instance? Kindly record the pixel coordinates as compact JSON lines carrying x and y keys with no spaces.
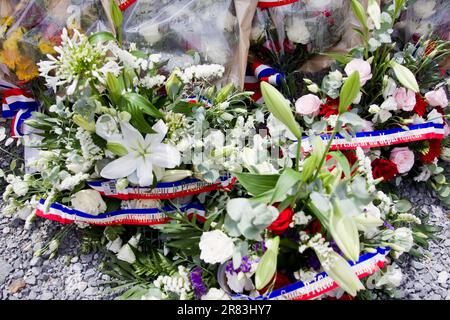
{"x":18,"y":185}
{"x":69,"y":182}
{"x":365,"y":168}
{"x":319,"y":245}
{"x":386,"y":205}
{"x":178,"y":284}
{"x":90,"y":151}
{"x":300,"y":218}
{"x":205,"y":72}
{"x":407,"y":217}
{"x":151,"y":82}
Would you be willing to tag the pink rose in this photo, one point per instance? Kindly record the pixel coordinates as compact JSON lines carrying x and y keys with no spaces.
{"x":363,"y":67}
{"x":403,"y":158}
{"x":308,"y":105}
{"x":437,"y":98}
{"x":406,"y":99}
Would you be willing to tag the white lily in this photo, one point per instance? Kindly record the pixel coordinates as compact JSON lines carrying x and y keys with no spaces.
{"x":144,"y":157}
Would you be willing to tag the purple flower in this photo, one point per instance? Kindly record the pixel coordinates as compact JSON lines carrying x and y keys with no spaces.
{"x":197,"y":282}
{"x":388,"y":225}
{"x":246,"y":266}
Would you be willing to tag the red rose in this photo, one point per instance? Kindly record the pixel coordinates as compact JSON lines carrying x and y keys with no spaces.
{"x":421,"y":105}
{"x":382,"y":168}
{"x":282,"y":223}
{"x":314,"y":227}
{"x":434,"y":151}
{"x":280,"y":281}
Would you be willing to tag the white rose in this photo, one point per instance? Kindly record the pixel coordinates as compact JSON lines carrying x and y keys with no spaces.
{"x":308,"y":105}
{"x":88,"y":201}
{"x":20,"y":188}
{"x":297,"y":31}
{"x":215,"y":294}
{"x":216,"y":247}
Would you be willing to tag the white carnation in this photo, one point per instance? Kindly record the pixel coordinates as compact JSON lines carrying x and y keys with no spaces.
{"x":216,"y":247}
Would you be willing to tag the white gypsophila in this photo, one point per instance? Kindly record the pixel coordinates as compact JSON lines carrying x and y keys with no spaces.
{"x":151,"y":82}
{"x":128,"y":59}
{"x":205,"y":72}
{"x":297,"y":31}
{"x":69,"y":182}
{"x":88,"y":201}
{"x":305,"y":276}
{"x":322,"y":248}
{"x":215,"y":294}
{"x":20,"y":187}
{"x":300,"y":218}
{"x":77,"y":60}
{"x":215,"y":247}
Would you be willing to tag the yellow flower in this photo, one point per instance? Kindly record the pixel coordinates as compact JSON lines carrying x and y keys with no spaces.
{"x":46,"y":47}
{"x":27,"y":69}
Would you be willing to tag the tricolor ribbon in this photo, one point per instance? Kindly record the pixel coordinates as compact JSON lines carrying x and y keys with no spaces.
{"x":200,"y":100}
{"x":148,"y":216}
{"x":16,"y":99}
{"x":367,"y":265}
{"x":163,"y":190}
{"x":266,"y":73}
{"x":382,"y":138}
{"x":124,"y":4}
{"x":274,"y":3}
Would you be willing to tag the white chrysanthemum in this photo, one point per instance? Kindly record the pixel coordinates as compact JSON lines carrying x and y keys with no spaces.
{"x":89,"y":201}
{"x":216,"y":247}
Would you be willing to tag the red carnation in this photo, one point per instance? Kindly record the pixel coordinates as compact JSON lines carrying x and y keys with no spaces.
{"x":383,"y":168}
{"x":314,"y":227}
{"x":331,"y":107}
{"x":282,"y":223}
{"x":421,"y":105}
{"x":434,"y":151}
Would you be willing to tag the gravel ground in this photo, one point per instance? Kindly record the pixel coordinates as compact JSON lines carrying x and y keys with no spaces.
{"x":68,"y":276}
{"x":428,"y":278}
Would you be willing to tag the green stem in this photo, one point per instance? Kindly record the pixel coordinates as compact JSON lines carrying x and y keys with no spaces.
{"x":297,"y":154}
{"x":335,"y":130}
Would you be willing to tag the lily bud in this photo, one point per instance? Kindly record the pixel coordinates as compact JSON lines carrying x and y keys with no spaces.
{"x":278,"y":105}
{"x":405,"y":76}
{"x":365,"y":221}
{"x":344,"y":231}
{"x":117,"y":148}
{"x":83,"y":123}
{"x":176,"y":175}
{"x":341,"y":272}
{"x":222,"y":95}
{"x":173,"y":86}
{"x":122,"y":184}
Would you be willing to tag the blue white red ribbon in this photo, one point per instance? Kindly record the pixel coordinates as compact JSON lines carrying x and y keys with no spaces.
{"x":124,"y":4}
{"x":16,"y":99}
{"x":382,"y":138}
{"x":163,"y":190}
{"x":274,"y":3}
{"x":148,"y":216}
{"x":266,"y":73}
{"x":367,"y":265}
{"x":17,"y":124}
{"x":201,"y":100}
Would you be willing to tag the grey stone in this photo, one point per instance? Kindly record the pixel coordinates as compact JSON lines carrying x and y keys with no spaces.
{"x":6,"y":230}
{"x":36,"y":261}
{"x":5,"y":269}
{"x":442,"y":277}
{"x":81,"y":286}
{"x":90,"y":291}
{"x":417,"y":265}
{"x":30,"y":280}
{"x":77,"y":266}
{"x":74,"y":260}
{"x":46,"y":296}
{"x":19,"y":274}
{"x":86,"y":258}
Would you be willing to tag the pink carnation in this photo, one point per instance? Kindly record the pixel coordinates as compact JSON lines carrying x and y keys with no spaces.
{"x":308,"y":105}
{"x":406,"y":99}
{"x":437,"y":98}
{"x":403,"y":158}
{"x":363,"y":68}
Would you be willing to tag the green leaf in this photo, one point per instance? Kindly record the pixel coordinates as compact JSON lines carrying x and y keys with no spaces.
{"x":359,"y":12}
{"x":13,"y":165}
{"x":343,"y":162}
{"x":257,"y":184}
{"x":116,"y":14}
{"x":349,"y":91}
{"x":341,"y":58}
{"x":173,"y":86}
{"x":287,"y":180}
{"x":143,"y":104}
{"x":398,"y":4}
{"x":100,"y":37}
{"x":115,"y":88}
{"x":403,"y":206}
{"x":267,"y":266}
{"x":138,"y":120}
{"x":309,"y":166}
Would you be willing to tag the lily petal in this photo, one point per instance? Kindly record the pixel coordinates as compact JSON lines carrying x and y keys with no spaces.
{"x":165,"y":156}
{"x":120,"y":167}
{"x":132,"y":138}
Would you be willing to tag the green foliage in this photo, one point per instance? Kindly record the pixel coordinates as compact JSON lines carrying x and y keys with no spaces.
{"x":349,"y":91}
{"x":267,"y":266}
{"x":257,"y":184}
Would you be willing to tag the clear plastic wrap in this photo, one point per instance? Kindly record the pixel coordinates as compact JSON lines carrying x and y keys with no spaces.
{"x":33,"y":28}
{"x":186,"y":32}
{"x":425,"y":17}
{"x":298,"y":29}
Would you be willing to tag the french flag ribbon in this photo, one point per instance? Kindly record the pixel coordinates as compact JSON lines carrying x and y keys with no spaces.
{"x":266,"y":73}
{"x":17,"y":123}
{"x":253,"y":84}
{"x":124,"y":4}
{"x":163,"y":190}
{"x":16,"y":99}
{"x":274,"y":3}
{"x":382,"y":138}
{"x":194,"y":100}
{"x":367,"y":265}
{"x":145,"y":217}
